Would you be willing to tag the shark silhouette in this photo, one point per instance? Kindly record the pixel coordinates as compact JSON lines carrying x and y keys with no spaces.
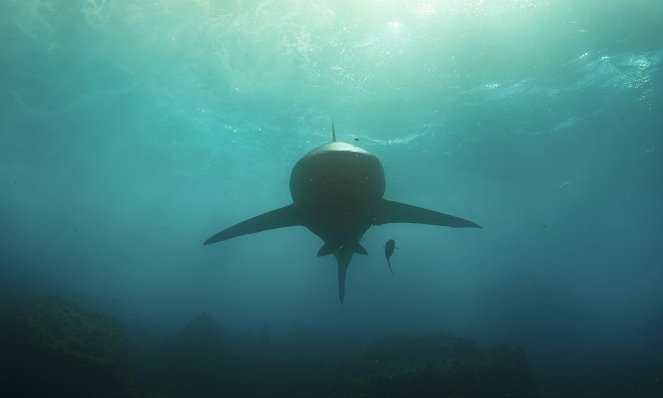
{"x":337,"y":193}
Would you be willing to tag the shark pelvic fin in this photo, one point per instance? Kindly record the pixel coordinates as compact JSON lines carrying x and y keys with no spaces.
{"x":328,"y":248}
{"x":357,"y":248}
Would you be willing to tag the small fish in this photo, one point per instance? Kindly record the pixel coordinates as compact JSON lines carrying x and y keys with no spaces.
{"x":388,"y":251}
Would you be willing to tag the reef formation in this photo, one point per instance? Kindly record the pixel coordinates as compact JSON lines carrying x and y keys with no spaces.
{"x":54,"y":347}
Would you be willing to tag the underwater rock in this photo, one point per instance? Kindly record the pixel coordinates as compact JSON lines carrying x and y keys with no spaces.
{"x":54,"y":347}
{"x":203,"y":331}
{"x":202,"y":361}
{"x":202,"y":339}
{"x":438,"y":366}
{"x":195,"y":362}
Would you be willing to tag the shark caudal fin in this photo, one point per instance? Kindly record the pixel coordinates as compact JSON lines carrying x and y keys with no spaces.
{"x":333,"y":133}
{"x":395,"y":212}
{"x":343,"y":257}
{"x":280,"y":218}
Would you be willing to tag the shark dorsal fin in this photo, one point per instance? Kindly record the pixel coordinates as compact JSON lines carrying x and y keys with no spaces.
{"x":333,"y":133}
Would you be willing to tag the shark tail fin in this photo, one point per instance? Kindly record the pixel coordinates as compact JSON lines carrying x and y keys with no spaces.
{"x":280,"y":218}
{"x":343,"y":257}
{"x":390,"y":211}
{"x":333,"y":133}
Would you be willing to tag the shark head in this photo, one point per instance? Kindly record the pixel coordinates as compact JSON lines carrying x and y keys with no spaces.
{"x":335,"y":187}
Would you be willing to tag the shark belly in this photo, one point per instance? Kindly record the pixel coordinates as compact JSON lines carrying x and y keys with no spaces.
{"x":337,"y":224}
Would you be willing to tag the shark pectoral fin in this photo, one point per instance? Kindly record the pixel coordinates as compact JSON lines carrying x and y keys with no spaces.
{"x":396,"y":212}
{"x":280,"y":218}
{"x":357,"y":248}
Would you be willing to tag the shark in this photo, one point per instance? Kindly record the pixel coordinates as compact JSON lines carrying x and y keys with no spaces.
{"x":337,"y":193}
